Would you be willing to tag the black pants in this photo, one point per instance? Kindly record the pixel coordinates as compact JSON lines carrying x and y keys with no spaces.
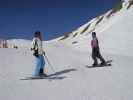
{"x":96,"y":54}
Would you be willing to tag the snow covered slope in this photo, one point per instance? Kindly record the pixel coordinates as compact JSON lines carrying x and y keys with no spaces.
{"x":21,"y":43}
{"x":113,"y":28}
{"x":71,"y":79}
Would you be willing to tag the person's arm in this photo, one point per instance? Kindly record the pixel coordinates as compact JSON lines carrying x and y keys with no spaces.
{"x":97,"y":42}
{"x":33,"y":44}
{"x":44,"y":52}
{"x":91,"y":43}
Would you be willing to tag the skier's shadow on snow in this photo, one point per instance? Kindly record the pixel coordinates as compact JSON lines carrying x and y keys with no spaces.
{"x":54,"y":76}
{"x":62,"y":72}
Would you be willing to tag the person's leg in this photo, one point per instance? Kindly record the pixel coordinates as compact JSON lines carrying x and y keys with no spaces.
{"x":42,"y":65}
{"x":41,"y":71}
{"x":38,"y":66}
{"x":94,"y":58}
{"x":101,"y":58}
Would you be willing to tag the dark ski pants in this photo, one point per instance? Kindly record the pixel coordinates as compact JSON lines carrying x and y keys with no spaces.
{"x":96,"y":54}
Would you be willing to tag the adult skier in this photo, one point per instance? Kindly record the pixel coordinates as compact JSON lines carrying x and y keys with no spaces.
{"x":95,"y":50}
{"x":37,"y":47}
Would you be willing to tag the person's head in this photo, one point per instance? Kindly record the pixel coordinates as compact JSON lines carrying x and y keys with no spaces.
{"x":38,"y":35}
{"x":93,"y":34}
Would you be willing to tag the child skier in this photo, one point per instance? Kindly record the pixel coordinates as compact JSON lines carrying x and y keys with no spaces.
{"x":95,"y":50}
{"x":38,"y":53}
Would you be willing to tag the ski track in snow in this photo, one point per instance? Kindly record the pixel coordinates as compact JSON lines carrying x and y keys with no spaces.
{"x":80,"y":83}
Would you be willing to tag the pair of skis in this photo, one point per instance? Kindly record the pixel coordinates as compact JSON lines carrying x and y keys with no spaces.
{"x":55,"y":77}
{"x":108,"y":63}
{"x":43,"y":76}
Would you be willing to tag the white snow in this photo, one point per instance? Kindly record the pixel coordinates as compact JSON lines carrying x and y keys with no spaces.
{"x":78,"y":83}
{"x":21,"y":43}
{"x":74,"y":81}
{"x":114,"y":33}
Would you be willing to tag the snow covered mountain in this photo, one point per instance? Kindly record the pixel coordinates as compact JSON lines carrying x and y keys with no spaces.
{"x":21,"y":43}
{"x":113,"y":28}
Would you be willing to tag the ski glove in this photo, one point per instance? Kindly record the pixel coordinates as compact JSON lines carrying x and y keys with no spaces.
{"x":44,"y":53}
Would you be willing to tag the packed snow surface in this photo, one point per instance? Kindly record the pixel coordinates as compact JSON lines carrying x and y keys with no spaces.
{"x":70,"y":78}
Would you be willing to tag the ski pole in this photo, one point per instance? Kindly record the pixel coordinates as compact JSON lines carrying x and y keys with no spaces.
{"x":49,"y":63}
